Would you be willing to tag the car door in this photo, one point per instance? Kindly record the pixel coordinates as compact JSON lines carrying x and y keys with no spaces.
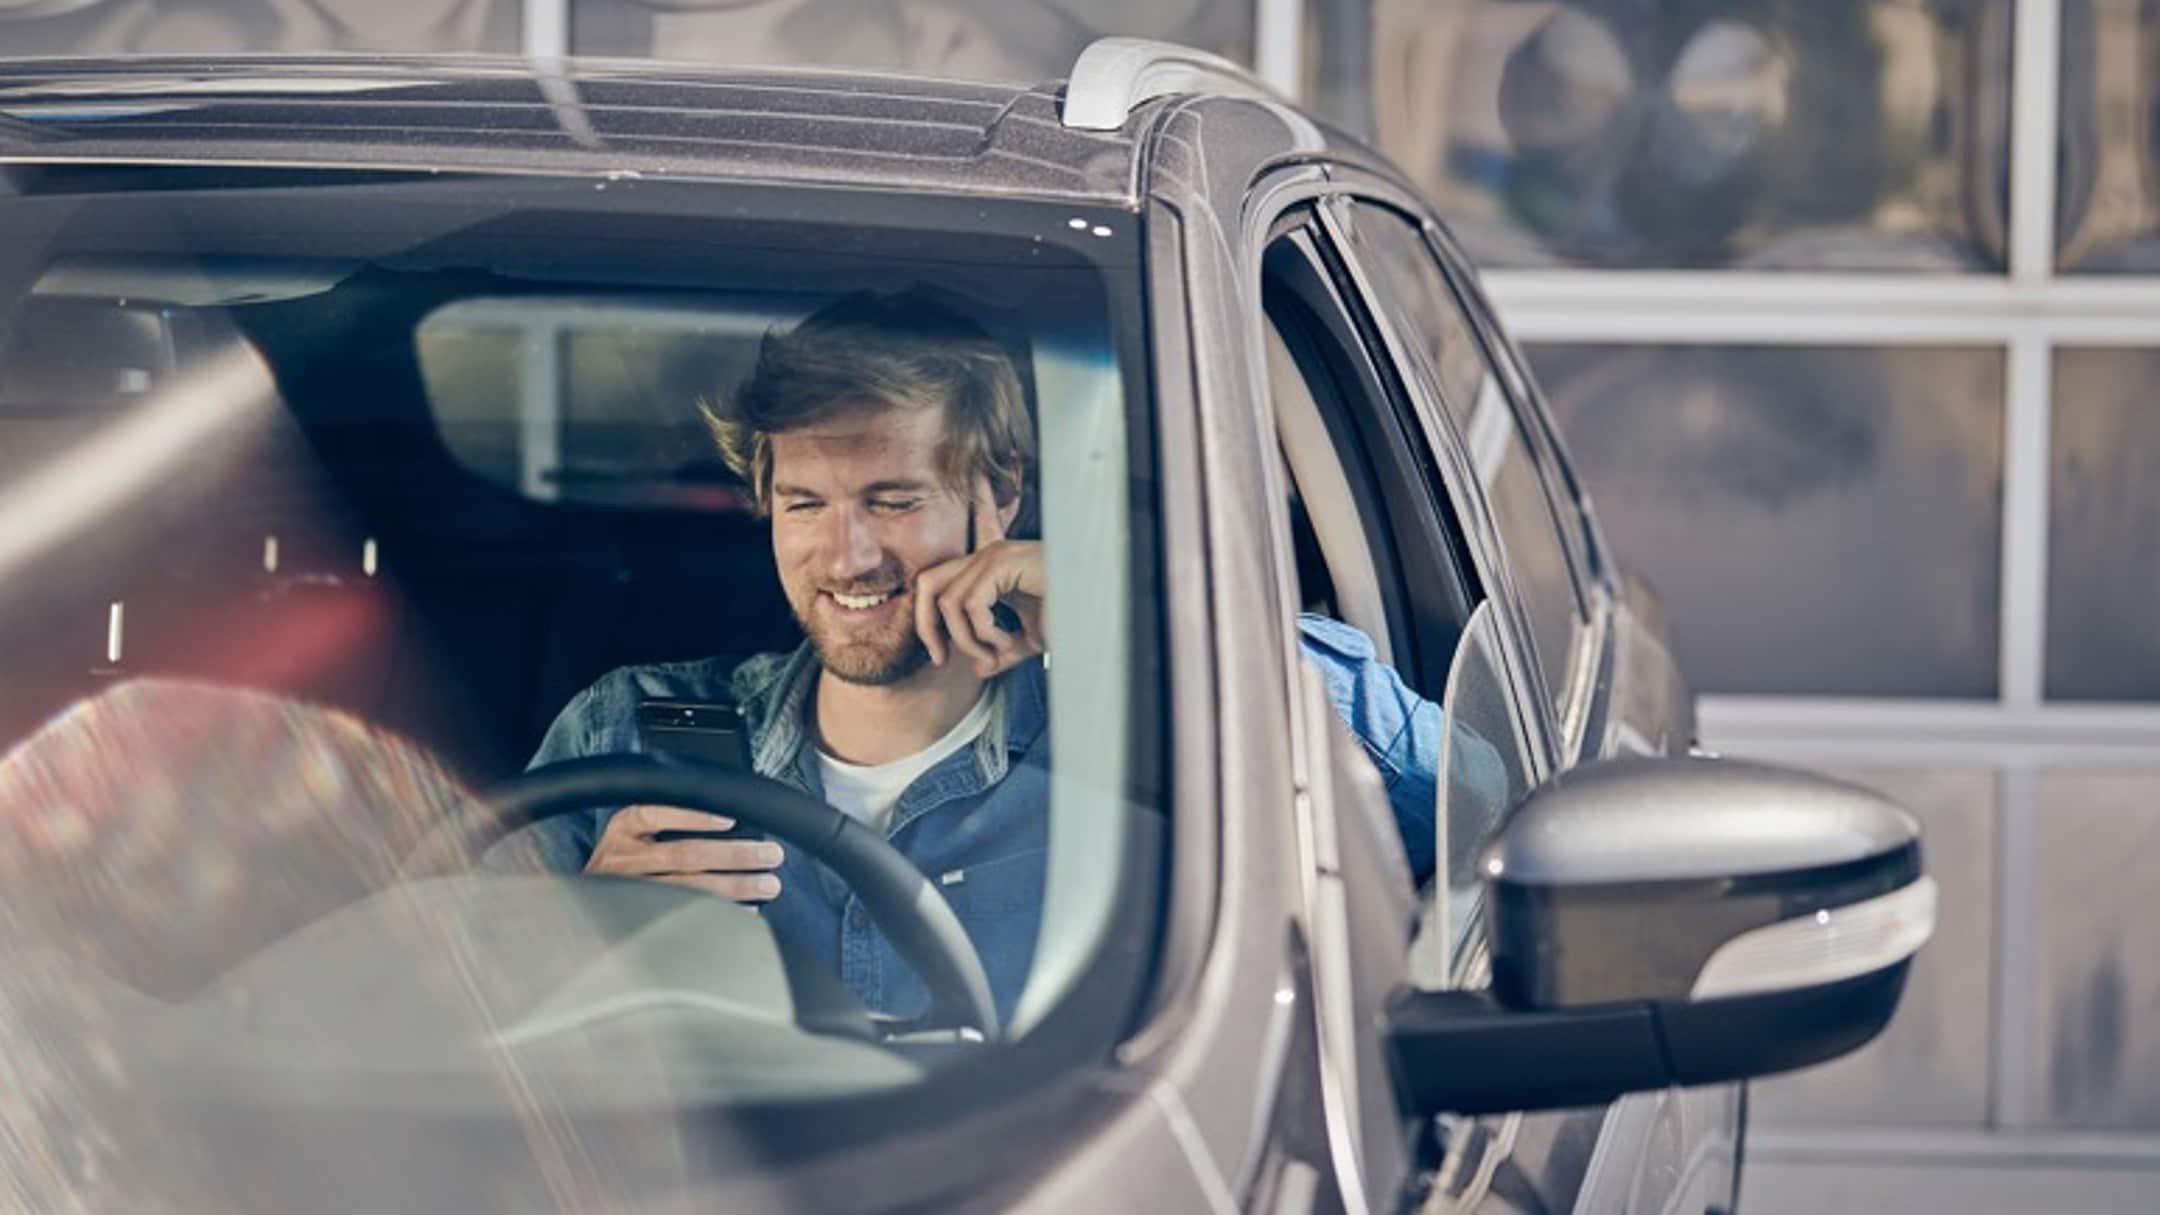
{"x":1670,"y":1151}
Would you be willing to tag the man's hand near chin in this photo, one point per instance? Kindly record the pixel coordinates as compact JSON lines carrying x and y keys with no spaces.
{"x":741,"y":870}
{"x":956,"y":606}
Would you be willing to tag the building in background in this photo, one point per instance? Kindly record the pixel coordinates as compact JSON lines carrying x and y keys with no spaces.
{"x":1016,"y":40}
{"x":1848,"y":308}
{"x":121,"y":27}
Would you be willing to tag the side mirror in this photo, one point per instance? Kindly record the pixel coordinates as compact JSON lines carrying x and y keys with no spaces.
{"x":1672,"y":921}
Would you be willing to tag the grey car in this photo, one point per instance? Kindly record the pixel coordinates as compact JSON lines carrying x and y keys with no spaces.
{"x":348,"y":428}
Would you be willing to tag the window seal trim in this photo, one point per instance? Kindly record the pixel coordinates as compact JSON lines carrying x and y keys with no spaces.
{"x":1590,"y":563}
{"x":1481,"y":531}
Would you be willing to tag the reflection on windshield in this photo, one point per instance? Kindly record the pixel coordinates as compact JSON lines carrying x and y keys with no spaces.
{"x":225,"y":395}
{"x":318,"y":505}
{"x":155,"y":836}
{"x":166,"y":828}
{"x":208,"y":912}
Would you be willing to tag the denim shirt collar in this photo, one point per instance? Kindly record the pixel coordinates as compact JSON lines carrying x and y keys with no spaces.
{"x":774,"y":691}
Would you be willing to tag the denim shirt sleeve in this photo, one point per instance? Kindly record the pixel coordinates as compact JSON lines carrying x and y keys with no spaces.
{"x":1400,"y":730}
{"x":592,"y":723}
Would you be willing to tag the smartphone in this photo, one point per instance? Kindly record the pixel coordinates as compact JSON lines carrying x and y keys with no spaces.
{"x":708,"y":732}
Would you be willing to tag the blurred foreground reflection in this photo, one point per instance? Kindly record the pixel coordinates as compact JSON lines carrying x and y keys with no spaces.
{"x":217,"y":994}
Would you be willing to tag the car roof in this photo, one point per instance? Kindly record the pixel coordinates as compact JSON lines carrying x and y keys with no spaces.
{"x":578,"y":116}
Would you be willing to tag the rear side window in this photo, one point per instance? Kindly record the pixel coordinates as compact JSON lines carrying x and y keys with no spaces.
{"x":1444,"y":353}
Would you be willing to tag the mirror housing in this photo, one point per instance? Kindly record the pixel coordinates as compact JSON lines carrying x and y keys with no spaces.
{"x":1672,"y":921}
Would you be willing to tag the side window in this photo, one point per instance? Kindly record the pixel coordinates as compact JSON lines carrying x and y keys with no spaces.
{"x":1446,"y":358}
{"x":1482,"y":773}
{"x":1374,"y":551}
{"x":1397,"y":622}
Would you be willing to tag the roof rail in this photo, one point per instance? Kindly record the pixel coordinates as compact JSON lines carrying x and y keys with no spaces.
{"x":1115,"y":74}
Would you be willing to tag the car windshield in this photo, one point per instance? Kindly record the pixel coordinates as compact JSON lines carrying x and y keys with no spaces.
{"x":329,"y":503}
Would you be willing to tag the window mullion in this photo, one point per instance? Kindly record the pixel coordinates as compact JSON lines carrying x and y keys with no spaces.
{"x":1279,"y":44}
{"x":2027,"y":453}
{"x":2034,"y":98}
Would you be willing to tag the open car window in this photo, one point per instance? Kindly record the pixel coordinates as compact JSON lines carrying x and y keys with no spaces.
{"x":377,"y":474}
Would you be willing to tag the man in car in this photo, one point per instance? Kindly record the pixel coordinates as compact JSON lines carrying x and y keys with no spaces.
{"x":887,"y":438}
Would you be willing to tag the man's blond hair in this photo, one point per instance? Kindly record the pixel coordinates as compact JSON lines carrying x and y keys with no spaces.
{"x":905,"y":350}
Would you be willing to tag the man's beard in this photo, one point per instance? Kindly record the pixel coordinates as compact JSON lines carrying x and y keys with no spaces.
{"x":872,"y":662}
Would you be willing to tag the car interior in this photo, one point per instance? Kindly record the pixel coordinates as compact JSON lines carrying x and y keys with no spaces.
{"x":383,"y":532}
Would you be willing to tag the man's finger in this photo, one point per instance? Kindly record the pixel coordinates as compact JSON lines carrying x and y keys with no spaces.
{"x":1006,"y":647}
{"x":701,"y":856}
{"x":741,"y":887}
{"x":962,"y":630}
{"x":1029,"y":611}
{"x":634,"y":858}
{"x":981,"y":604}
{"x":647,"y":821}
{"x":928,"y":586}
{"x":1016,"y":581}
{"x":975,"y":592}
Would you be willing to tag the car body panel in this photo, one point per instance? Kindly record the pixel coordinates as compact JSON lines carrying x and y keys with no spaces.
{"x":580,"y":118}
{"x":1236,"y":991}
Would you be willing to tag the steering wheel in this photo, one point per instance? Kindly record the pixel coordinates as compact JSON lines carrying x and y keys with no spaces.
{"x":900,"y":900}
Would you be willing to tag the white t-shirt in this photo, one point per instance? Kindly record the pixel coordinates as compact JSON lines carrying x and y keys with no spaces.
{"x":867,"y":792}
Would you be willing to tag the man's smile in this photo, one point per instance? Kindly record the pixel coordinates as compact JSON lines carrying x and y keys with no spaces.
{"x":862,"y":602}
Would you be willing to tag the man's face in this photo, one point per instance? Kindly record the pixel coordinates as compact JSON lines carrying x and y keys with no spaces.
{"x":859,"y":508}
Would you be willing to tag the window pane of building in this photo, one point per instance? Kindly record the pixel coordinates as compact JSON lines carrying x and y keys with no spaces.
{"x":2104,"y":527}
{"x":1614,"y":133}
{"x":2106,"y":199}
{"x":1819,"y":520}
{"x":214,"y":27}
{"x":1012,"y":40}
{"x":2096,"y":951}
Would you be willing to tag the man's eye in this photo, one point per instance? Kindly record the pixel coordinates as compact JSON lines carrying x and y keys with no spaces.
{"x":799,"y":508}
{"x":894,"y":506}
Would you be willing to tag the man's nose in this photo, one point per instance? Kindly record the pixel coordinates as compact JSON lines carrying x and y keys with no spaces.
{"x":851,"y":544}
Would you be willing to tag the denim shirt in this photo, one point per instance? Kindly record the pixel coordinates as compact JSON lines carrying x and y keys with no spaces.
{"x":977,"y":823}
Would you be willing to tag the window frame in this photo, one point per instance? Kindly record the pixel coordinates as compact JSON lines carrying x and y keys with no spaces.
{"x":1585,"y":540}
{"x":1597,"y":578}
{"x":1467,"y":498}
{"x":1558,"y":674}
{"x":1459,"y":526}
{"x":1427,"y":579}
{"x":1441,"y":473}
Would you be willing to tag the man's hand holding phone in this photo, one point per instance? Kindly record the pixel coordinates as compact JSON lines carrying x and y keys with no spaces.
{"x":667,"y":844}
